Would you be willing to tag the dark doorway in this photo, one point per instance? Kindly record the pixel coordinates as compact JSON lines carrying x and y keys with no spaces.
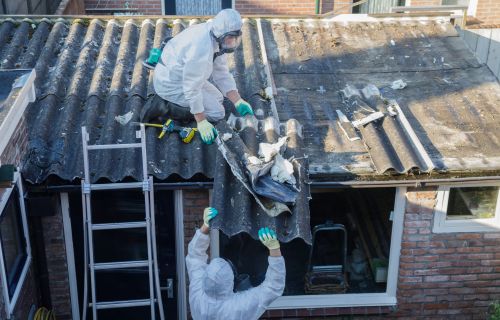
{"x":126,"y":245}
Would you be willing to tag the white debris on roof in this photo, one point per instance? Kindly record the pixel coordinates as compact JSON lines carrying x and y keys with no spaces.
{"x":254,"y":160}
{"x":226,"y":136}
{"x":370,"y":90}
{"x":398,"y":84}
{"x":125,"y":118}
{"x":268,"y":150}
{"x":282,"y":170}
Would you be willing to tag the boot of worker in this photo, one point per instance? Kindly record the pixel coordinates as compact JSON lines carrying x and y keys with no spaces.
{"x":158,"y":109}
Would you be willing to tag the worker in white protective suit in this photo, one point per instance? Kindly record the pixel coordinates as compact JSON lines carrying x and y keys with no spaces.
{"x":188,"y":61}
{"x":211,"y":285}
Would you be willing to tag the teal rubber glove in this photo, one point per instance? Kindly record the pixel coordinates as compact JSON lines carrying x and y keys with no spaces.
{"x":207,"y":131}
{"x":208,"y":214}
{"x":268,"y":238}
{"x":243,"y":107}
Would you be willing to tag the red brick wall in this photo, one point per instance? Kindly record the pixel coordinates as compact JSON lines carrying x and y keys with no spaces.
{"x":194,"y":203}
{"x":71,"y":7}
{"x":150,"y":7}
{"x":275,"y":7}
{"x":488,"y":11}
{"x":442,"y":275}
{"x":16,"y":148}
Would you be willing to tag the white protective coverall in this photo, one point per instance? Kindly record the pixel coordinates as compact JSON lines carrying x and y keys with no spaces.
{"x":211,"y":293}
{"x":187,"y":64}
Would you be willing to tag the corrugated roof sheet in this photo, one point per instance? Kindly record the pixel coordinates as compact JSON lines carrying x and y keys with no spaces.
{"x":451,"y":102}
{"x":238,"y":210}
{"x":89,"y":71}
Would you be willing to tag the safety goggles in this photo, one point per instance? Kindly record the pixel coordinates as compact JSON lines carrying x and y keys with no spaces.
{"x":229,"y":41}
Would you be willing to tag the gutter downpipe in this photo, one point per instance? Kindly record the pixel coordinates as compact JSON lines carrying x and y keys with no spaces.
{"x":317,"y":6}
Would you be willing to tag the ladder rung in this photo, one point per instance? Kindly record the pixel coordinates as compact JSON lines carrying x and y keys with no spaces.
{"x":114,"y":146}
{"x":116,"y":186}
{"x":121,"y":265}
{"x":123,"y":304}
{"x":121,"y":225}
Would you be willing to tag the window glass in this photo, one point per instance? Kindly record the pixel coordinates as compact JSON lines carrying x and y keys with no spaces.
{"x":472,"y":203}
{"x":13,"y":241}
{"x":455,"y":2}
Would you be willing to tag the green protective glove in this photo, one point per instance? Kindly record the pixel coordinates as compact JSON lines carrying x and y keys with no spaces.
{"x":268,"y":238}
{"x":243,"y":107}
{"x":208,"y":214}
{"x":207,"y":131}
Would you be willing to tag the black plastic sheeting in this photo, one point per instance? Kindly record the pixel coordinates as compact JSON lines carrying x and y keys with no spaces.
{"x":238,"y":209}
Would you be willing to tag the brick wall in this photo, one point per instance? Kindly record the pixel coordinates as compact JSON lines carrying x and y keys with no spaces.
{"x":194,"y":203}
{"x":71,"y":7}
{"x":17,"y":145}
{"x":291,"y":7}
{"x":488,"y":11}
{"x":55,"y":253}
{"x":445,"y":275}
{"x":149,"y":7}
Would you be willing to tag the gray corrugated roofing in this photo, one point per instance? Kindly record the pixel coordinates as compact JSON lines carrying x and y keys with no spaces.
{"x":89,"y":71}
{"x":238,"y":210}
{"x":452,"y":102}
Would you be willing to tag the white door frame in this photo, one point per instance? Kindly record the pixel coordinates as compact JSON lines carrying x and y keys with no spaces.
{"x":179,"y":255}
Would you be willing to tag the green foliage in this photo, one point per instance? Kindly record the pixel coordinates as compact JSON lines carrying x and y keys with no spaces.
{"x":494,"y":311}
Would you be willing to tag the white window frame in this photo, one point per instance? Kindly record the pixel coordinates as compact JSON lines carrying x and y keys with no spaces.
{"x":387,"y":298}
{"x":441,"y":225}
{"x":10,"y":304}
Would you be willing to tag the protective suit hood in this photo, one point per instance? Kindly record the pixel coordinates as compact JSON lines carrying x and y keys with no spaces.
{"x":219,"y":279}
{"x":226,"y":21}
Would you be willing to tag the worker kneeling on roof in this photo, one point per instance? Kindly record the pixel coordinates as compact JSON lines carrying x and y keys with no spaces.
{"x":181,"y":77}
{"x":211,"y":286}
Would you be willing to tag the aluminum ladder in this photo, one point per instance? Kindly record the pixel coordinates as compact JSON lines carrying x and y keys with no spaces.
{"x":149,"y":224}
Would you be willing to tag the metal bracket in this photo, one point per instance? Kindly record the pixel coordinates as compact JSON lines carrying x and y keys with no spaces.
{"x":145,"y":185}
{"x":86,"y":188}
{"x":169,"y":288}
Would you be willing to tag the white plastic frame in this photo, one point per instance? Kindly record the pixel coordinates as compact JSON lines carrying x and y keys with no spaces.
{"x":387,"y":298}
{"x":10,"y":304}
{"x":441,"y":225}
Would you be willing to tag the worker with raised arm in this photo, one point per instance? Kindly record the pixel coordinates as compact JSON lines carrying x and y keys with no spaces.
{"x":211,"y":284}
{"x":181,"y":77}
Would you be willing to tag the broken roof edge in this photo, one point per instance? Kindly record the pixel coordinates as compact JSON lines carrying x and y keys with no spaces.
{"x":314,"y":183}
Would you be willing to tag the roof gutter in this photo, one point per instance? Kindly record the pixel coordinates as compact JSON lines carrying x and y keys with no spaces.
{"x":403,"y":183}
{"x":313,"y":184}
